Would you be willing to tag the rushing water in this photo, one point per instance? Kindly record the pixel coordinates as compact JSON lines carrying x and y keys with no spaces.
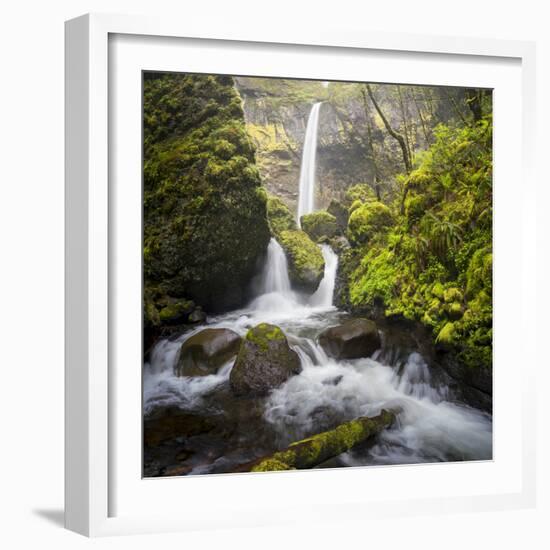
{"x":306,"y":197}
{"x":432,"y":425}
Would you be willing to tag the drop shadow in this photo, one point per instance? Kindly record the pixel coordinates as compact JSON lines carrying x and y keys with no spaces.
{"x":53,"y":516}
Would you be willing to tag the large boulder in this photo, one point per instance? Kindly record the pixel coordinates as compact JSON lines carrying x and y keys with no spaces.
{"x":351,"y":340}
{"x":306,"y":265}
{"x":205,"y":352}
{"x":279,"y":216}
{"x":264,"y":362}
{"x":204,"y":205}
{"x":319,"y":225}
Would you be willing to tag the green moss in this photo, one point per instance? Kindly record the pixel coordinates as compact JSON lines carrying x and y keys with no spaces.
{"x":264,"y":333}
{"x":452,"y":295}
{"x":354,"y":206}
{"x":433,"y":262}
{"x":455,"y":310}
{"x":446,"y":334}
{"x":438,"y":290}
{"x":279,"y":216}
{"x":306,"y":263}
{"x":205,"y":224}
{"x":176,"y":311}
{"x":360,"y":192}
{"x":370,"y":219}
{"x":479,"y":275}
{"x":319,"y":225}
{"x":375,"y":279}
{"x":314,"y":450}
{"x":271,"y":465}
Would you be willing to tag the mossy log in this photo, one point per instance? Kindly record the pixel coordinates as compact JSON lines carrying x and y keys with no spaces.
{"x":318,"y":448}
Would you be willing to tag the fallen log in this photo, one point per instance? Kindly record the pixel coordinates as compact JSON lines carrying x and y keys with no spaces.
{"x":314,"y":450}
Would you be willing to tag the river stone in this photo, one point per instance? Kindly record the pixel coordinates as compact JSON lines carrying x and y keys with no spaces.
{"x":264,"y":362}
{"x":205,"y":352}
{"x":351,"y":340}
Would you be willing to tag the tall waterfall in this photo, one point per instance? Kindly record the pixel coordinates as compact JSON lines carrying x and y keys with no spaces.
{"x":306,"y":198}
{"x":275,"y":275}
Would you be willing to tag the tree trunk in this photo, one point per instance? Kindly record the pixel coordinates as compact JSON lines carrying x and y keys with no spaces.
{"x":396,"y":135}
{"x":318,"y":448}
{"x":370,"y":146}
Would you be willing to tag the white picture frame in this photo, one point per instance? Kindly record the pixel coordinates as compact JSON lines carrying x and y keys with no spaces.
{"x":95,"y":405}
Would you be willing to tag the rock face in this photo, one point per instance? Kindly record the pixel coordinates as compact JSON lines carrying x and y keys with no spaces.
{"x":205,"y":225}
{"x":306,"y":265}
{"x":277,"y":111}
{"x":205,"y":352}
{"x":351,"y":340}
{"x":264,"y":362}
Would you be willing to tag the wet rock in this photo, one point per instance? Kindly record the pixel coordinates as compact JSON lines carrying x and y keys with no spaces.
{"x":340,"y":212}
{"x":351,"y":340}
{"x":205,"y":352}
{"x":264,"y":362}
{"x":173,"y":423}
{"x":339,"y":244}
{"x":334,"y":381}
{"x":197,"y":316}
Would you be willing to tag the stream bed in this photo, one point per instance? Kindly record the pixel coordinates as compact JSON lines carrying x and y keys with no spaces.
{"x":196,"y":425}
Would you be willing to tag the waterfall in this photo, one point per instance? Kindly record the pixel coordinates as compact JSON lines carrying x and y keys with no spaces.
{"x":275,"y":274}
{"x":324,"y":294}
{"x":306,"y":198}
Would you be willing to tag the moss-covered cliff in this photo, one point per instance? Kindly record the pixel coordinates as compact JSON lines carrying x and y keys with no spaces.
{"x":205,"y":226}
{"x":428,"y":257}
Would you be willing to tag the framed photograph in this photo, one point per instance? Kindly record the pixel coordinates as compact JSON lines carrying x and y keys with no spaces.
{"x":292,"y":271}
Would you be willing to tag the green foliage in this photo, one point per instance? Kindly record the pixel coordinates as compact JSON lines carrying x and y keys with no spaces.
{"x":360,"y":192}
{"x":204,"y":209}
{"x":369,"y":219}
{"x":320,"y":225}
{"x":433,"y":262}
{"x":279,"y":216}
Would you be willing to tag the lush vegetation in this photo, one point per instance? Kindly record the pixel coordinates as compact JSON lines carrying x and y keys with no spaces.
{"x":428,"y":255}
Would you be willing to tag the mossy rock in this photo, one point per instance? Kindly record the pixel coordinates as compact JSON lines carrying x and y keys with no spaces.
{"x":438,"y":290}
{"x":264,"y":362}
{"x":176,"y":312}
{"x":368,"y":220}
{"x":206,"y":351}
{"x":319,"y":225}
{"x":452,"y":294}
{"x":355,"y":205}
{"x":205,"y":223}
{"x":279,"y":216}
{"x":455,"y":310}
{"x":305,"y":260}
